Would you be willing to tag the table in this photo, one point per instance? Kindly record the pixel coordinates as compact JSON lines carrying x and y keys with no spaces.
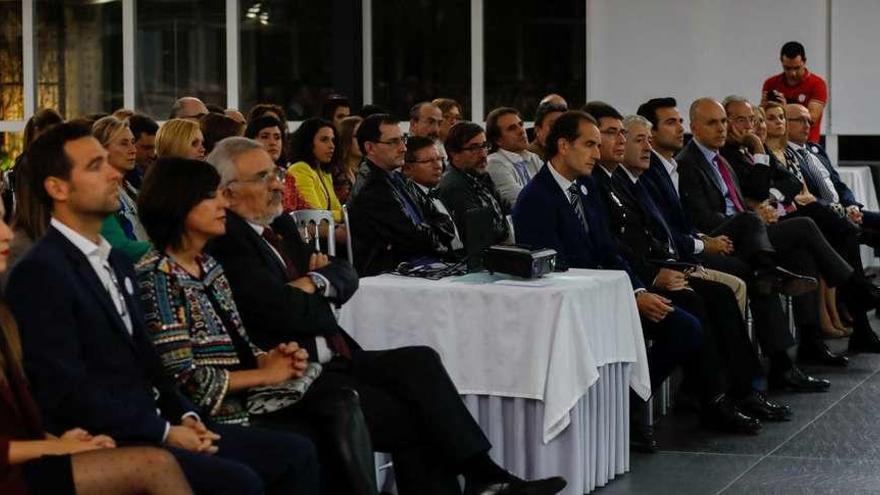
{"x":859,"y":180}
{"x":545,"y":366}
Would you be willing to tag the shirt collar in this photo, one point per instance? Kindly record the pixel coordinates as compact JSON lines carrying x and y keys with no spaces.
{"x":514,"y":157}
{"x":88,"y":248}
{"x":709,"y":154}
{"x":671,"y":165}
{"x":424,"y":189}
{"x":562,"y":181}
{"x":257,"y":227}
{"x":795,"y":146}
{"x":629,"y":174}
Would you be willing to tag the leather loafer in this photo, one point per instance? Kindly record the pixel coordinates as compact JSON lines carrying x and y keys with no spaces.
{"x":547,"y":486}
{"x":786,"y":282}
{"x":722,"y":415}
{"x":797,"y":381}
{"x":758,"y":406}
{"x":641,"y":438}
{"x":818,"y":353}
{"x":864,"y":340}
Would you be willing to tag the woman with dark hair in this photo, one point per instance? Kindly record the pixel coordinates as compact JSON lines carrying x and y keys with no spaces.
{"x":216,"y":127}
{"x":39,"y":122}
{"x":272,"y":134}
{"x":312,"y":150}
{"x":202,"y":343}
{"x":35,"y":462}
{"x":348,"y":157}
{"x":335,"y":108}
{"x":270,"y":109}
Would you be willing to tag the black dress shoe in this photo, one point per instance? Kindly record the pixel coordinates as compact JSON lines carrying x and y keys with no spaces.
{"x":641,"y":438}
{"x":797,"y":381}
{"x":548,"y":486}
{"x":817,"y":352}
{"x":786,"y":282}
{"x":758,"y":406}
{"x":864,"y":340}
{"x":722,"y":415}
{"x":861,"y":294}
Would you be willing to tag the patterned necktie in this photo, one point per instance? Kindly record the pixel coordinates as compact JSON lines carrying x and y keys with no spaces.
{"x":522,"y":172}
{"x":810,"y":170}
{"x":274,"y":240}
{"x":574,"y":199}
{"x":728,"y":181}
{"x":408,"y":207}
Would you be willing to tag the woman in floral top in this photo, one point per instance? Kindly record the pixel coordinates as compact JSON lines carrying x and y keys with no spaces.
{"x":197,"y":330}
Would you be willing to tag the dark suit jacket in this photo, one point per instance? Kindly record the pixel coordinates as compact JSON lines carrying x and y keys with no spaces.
{"x":754,"y":179}
{"x":383,"y":235}
{"x":700,"y":190}
{"x":272,"y":311}
{"x":544,"y":218}
{"x":19,"y":420}
{"x":461,"y":194}
{"x":659,"y":185}
{"x":847,"y":198}
{"x":85,"y":369}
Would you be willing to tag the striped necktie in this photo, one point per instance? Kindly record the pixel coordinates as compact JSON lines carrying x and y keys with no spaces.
{"x":810,"y":170}
{"x":574,"y":199}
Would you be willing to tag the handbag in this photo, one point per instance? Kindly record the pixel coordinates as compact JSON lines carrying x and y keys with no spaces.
{"x":270,"y":398}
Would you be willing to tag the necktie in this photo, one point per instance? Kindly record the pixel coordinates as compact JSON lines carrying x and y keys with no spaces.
{"x":728,"y":181}
{"x":274,"y":240}
{"x":408,"y":207}
{"x":522,"y":172}
{"x":574,"y":199}
{"x":815,"y":175}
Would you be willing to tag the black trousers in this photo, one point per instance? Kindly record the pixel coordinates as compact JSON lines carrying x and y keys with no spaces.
{"x":414,"y":412}
{"x":676,"y":340}
{"x":749,"y":235}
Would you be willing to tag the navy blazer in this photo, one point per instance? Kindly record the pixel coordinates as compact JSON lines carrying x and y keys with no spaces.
{"x":659,"y":185}
{"x":84,"y":367}
{"x":544,"y":218}
{"x":847,"y":198}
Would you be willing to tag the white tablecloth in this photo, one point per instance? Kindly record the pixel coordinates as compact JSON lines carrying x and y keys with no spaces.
{"x":528,"y":356}
{"x":859,"y":180}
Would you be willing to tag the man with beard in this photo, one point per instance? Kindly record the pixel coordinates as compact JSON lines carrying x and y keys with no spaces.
{"x":511,"y":165}
{"x":425,"y":120}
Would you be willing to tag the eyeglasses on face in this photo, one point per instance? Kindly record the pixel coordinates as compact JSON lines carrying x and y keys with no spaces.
{"x":395,"y":141}
{"x":264,"y":177}
{"x":486,"y":146}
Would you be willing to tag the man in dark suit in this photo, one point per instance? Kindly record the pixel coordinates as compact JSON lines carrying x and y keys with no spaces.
{"x":710,"y":190}
{"x":389,"y":223}
{"x":467,"y":186}
{"x":561,"y":209}
{"x":284,"y":293}
{"x":86,"y":350}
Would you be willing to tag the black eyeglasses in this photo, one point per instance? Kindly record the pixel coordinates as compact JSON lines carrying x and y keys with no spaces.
{"x":396,"y":141}
{"x":436,"y":159}
{"x":478,"y":147}
{"x":264,"y":177}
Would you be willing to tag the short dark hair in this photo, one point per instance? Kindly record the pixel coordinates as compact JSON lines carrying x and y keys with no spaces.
{"x":302,"y":142}
{"x":649,"y":108}
{"x":545,"y":109}
{"x":40,"y":121}
{"x":370,"y":109}
{"x":414,"y":144}
{"x":217,"y":127}
{"x":261,"y":109}
{"x":47,"y":158}
{"x":257,"y":124}
{"x":415,"y":109}
{"x":369,"y":130}
{"x":460,"y":134}
{"x":567,"y":127}
{"x":601,"y":110}
{"x":332,"y":103}
{"x":793,"y":49}
{"x":215,"y":108}
{"x":493,"y":132}
{"x":142,"y":124}
{"x":171,"y":189}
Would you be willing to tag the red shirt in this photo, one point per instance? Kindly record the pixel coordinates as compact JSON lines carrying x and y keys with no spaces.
{"x":811,"y":87}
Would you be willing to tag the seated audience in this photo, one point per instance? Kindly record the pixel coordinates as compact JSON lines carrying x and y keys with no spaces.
{"x":39,"y":122}
{"x":188,"y":107}
{"x":545,"y":116}
{"x":196,"y":329}
{"x":425,"y":120}
{"x":144,"y":130}
{"x":423,"y":166}
{"x":283,"y":293}
{"x":85,"y":344}
{"x":312,"y":150}
{"x":511,"y":165}
{"x":390,"y":223}
{"x":180,"y":138}
{"x":236,"y":115}
{"x":267,"y":109}
{"x":216,"y":127}
{"x":336,"y":108}
{"x":348,"y":157}
{"x":467,"y":185}
{"x":272,"y":133}
{"x":451,"y":112}
{"x":123,"y":229}
{"x":122,"y":113}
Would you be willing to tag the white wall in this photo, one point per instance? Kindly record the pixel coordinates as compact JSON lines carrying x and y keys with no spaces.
{"x":855,"y":68}
{"x":640,"y":49}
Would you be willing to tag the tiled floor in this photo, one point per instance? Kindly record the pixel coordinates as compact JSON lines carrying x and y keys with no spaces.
{"x":832,"y":445}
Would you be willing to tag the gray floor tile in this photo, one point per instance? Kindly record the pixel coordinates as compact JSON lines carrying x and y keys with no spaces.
{"x":786,"y":475}
{"x":679,"y":474}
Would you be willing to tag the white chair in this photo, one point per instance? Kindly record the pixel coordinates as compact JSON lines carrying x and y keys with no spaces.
{"x":309,"y":224}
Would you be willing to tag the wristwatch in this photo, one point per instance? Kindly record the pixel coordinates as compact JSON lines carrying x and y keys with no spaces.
{"x":320,"y":284}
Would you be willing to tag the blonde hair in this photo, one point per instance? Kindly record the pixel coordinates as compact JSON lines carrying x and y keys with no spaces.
{"x":175,"y":136}
{"x":106,"y":129}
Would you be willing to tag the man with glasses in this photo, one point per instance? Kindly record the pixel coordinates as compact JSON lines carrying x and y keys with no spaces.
{"x":390,"y":223}
{"x":284,"y":293}
{"x":188,"y":107}
{"x":797,"y":85}
{"x":451,"y":111}
{"x":425,"y":120}
{"x":467,"y":186}
{"x":511,"y":165}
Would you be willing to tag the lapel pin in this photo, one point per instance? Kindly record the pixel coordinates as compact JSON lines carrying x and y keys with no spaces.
{"x":584,"y":190}
{"x":129,"y":287}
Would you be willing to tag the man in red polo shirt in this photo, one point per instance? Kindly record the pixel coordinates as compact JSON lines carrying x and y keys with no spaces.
{"x":798,"y":85}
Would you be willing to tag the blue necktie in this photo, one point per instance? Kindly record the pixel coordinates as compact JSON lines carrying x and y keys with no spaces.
{"x":523,"y":172}
{"x":408,"y":207}
{"x":574,"y":199}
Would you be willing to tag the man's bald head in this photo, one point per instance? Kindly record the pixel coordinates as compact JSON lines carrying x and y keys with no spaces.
{"x":708,"y":122}
{"x":188,"y":107}
{"x":554,"y":99}
{"x":799,"y":123}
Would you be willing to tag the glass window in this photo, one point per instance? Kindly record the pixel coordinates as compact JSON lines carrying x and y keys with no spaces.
{"x":11,"y":145}
{"x":11,"y":73}
{"x":533,"y":49}
{"x":421,"y":51}
{"x":181,"y":51}
{"x":295,"y":53}
{"x":79,"y":56}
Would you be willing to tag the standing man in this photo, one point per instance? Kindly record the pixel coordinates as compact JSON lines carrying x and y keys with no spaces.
{"x":511,"y":165}
{"x":798,"y":85}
